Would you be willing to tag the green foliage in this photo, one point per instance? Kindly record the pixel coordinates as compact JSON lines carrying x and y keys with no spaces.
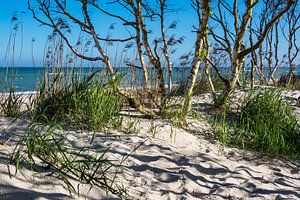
{"x":87,"y":103}
{"x":223,"y":132}
{"x":12,"y":105}
{"x":269,"y":124}
{"x":101,"y":106}
{"x":265,"y":122}
{"x":173,"y":112}
{"x":50,"y":145}
{"x":153,"y":128}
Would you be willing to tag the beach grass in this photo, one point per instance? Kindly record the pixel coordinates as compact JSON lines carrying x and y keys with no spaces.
{"x":89,"y":103}
{"x":50,"y":145}
{"x":264,"y":122}
{"x":12,"y":105}
{"x":269,"y":124}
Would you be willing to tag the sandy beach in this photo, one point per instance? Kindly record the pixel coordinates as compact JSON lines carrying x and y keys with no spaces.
{"x":150,"y":100}
{"x":171,"y":163}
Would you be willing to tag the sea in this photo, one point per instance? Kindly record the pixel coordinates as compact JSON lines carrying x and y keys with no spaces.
{"x":24,"y":79}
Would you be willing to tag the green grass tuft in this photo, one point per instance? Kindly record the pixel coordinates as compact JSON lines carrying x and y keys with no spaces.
{"x":265,"y":122}
{"x":87,"y":103}
{"x":269,"y":124}
{"x":12,"y":105}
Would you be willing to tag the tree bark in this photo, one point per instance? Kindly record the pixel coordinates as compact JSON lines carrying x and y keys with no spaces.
{"x":154,"y":61}
{"x":200,"y":53}
{"x":165,"y":48}
{"x":207,"y":70}
{"x":140,"y":52}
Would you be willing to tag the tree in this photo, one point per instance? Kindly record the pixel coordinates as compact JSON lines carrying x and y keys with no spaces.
{"x":233,"y":42}
{"x":268,"y":50}
{"x":56,"y":15}
{"x":140,"y":11}
{"x":292,"y":24}
{"x":163,"y":7}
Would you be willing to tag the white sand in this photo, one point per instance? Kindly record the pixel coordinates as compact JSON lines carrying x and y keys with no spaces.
{"x":175,"y":164}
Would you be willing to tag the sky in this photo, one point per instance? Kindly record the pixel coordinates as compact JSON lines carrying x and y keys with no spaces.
{"x":186,"y":18}
{"x":32,"y":29}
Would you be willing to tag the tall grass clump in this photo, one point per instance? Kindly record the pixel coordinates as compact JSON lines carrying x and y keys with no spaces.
{"x":89,"y":103}
{"x":268,"y":123}
{"x":12,"y":104}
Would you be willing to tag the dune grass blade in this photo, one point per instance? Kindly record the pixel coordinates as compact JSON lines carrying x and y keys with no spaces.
{"x":50,"y":145}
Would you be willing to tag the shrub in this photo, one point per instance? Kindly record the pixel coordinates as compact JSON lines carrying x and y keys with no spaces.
{"x":267,"y":123}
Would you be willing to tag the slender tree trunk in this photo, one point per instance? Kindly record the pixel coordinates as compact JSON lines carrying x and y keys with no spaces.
{"x":252,"y":83}
{"x":253,"y":58}
{"x":290,"y":60}
{"x":141,"y":56}
{"x":165,"y":48}
{"x":131,"y":99}
{"x":191,"y":83}
{"x":207,"y":70}
{"x":199,"y":54}
{"x":237,"y":60}
{"x":222,"y":99}
{"x":275,"y":54}
{"x":154,"y":61}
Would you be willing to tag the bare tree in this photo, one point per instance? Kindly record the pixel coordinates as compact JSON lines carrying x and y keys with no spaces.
{"x":152,"y":54}
{"x":141,"y":10}
{"x":233,"y":41}
{"x":290,"y":31}
{"x":56,"y":15}
{"x":268,"y":50}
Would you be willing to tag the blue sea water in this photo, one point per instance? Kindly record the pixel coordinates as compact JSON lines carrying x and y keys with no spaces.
{"x":29,"y":78}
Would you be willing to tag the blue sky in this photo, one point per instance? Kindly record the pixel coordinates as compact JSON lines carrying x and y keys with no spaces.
{"x":32,"y":29}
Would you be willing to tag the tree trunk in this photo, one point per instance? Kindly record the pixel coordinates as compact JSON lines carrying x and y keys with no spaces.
{"x":237,"y":59}
{"x":165,"y":48}
{"x":207,"y":70}
{"x":290,"y":60}
{"x":141,"y":56}
{"x":154,"y":61}
{"x":222,"y":99}
{"x":252,"y":83}
{"x":202,"y":34}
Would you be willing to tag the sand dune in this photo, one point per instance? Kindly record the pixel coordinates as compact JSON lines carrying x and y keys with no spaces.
{"x":174,"y":164}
